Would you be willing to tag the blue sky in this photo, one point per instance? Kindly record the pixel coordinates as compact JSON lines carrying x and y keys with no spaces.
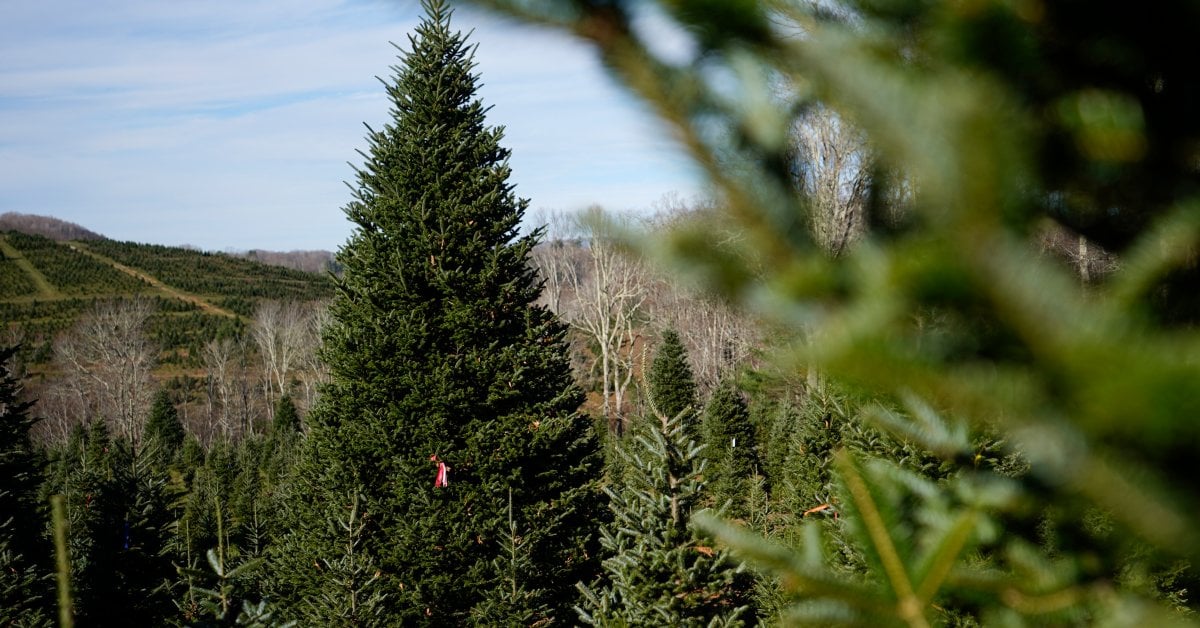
{"x":228,"y":124}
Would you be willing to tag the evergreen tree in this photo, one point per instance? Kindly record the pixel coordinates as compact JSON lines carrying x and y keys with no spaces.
{"x":287,"y":420}
{"x":659,"y":571}
{"x":119,"y":530}
{"x":730,"y":446}
{"x":671,"y":382}
{"x":23,"y":571}
{"x":162,"y":437}
{"x":437,"y":349}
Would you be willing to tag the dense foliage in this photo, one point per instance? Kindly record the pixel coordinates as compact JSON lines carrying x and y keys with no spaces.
{"x":985,"y":123}
{"x":439,"y":357}
{"x":24,"y":564}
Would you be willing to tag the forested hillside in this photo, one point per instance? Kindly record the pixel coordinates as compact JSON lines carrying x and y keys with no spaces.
{"x":927,"y":356}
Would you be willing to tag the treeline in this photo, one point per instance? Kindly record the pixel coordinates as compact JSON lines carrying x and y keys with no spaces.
{"x":45,"y":226}
{"x":308,"y":261}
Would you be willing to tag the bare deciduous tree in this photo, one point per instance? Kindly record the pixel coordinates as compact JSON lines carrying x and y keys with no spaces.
{"x":608,"y":291}
{"x":221,"y":360}
{"x":833,"y":170}
{"x":279,"y":332}
{"x":106,"y":361}
{"x":315,"y":372}
{"x":558,"y":257}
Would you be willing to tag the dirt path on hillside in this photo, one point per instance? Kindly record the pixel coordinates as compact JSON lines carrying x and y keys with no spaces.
{"x":133,"y":272}
{"x":45,"y":288}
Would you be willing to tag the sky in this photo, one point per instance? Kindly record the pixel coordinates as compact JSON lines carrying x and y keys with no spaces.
{"x":233,"y":124}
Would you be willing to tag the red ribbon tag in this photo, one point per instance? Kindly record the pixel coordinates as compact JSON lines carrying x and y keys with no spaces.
{"x":442,"y":480}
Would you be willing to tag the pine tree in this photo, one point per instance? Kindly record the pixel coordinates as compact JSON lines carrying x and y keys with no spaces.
{"x":671,"y":382}
{"x":162,"y":437}
{"x":659,"y":571}
{"x":437,"y":349}
{"x":730,"y":446}
{"x":23,"y":570}
{"x":119,"y":530}
{"x":287,"y":420}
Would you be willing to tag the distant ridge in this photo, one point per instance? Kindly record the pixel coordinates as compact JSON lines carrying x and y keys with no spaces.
{"x":46,"y":226}
{"x":308,"y":261}
{"x":316,"y":261}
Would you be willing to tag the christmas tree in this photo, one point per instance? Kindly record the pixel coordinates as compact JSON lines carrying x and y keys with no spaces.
{"x":730,"y":446}
{"x":671,"y":382}
{"x":441,"y":365}
{"x":659,"y":571}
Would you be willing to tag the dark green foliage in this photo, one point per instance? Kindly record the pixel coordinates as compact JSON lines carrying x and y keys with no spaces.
{"x":658,"y":570}
{"x":438,"y":349}
{"x":354,"y":594}
{"x":191,"y":456}
{"x":287,"y":421}
{"x":24,"y":569}
{"x":219,"y":603}
{"x":162,"y":435}
{"x":206,"y":520}
{"x":119,"y":530}
{"x":671,"y":383}
{"x":230,"y":506}
{"x":26,"y":589}
{"x":730,"y":447}
{"x":512,"y":602}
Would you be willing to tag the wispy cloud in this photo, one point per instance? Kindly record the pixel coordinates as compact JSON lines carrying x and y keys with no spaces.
{"x":229,"y":124}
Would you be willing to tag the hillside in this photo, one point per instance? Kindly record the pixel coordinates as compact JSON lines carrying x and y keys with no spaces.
{"x":45,"y":285}
{"x":47,"y":226}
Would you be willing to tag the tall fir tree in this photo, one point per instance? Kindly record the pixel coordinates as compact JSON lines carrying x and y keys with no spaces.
{"x":672,"y":384}
{"x":162,"y":438}
{"x":730,"y":446}
{"x":437,"y":349}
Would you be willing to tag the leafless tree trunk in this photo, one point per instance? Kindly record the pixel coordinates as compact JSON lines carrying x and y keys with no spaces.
{"x":279,"y":331}
{"x":220,"y":364}
{"x":315,"y":371}
{"x":106,"y":360}
{"x":609,"y":291}
{"x":834,"y":173}
{"x":557,"y":257}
